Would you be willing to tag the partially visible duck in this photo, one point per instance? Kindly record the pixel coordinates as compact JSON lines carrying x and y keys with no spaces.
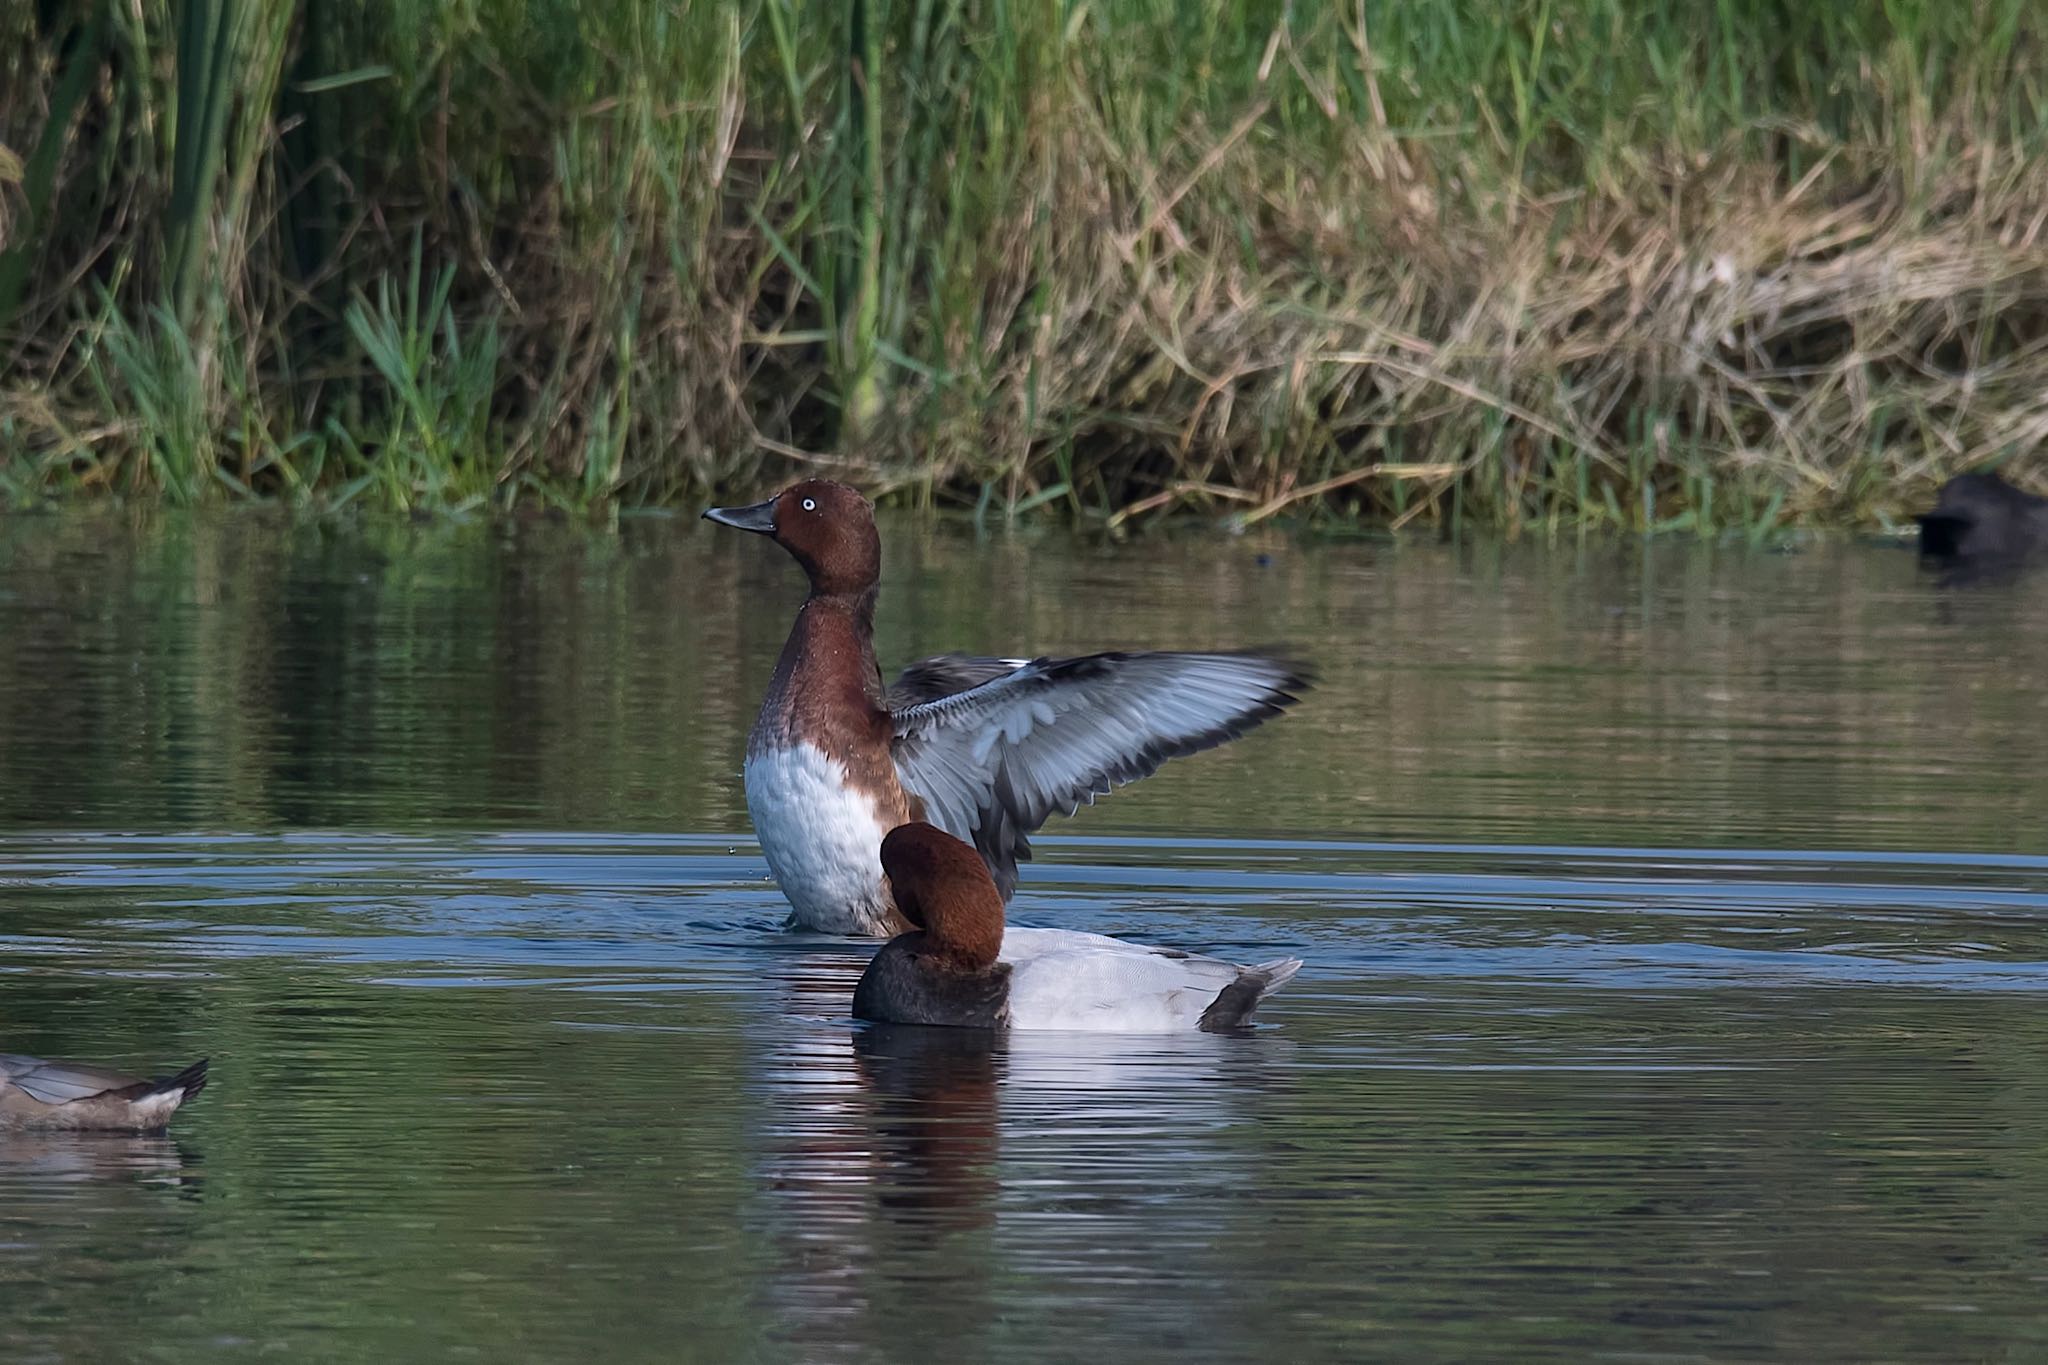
{"x":1982,"y":522}
{"x":986,"y":749}
{"x":40,"y":1094}
{"x":962,"y":967}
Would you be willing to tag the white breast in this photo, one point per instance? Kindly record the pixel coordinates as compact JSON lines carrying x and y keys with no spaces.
{"x":822,"y":838}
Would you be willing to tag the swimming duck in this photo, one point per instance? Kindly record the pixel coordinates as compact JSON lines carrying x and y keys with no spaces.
{"x":986,"y":749}
{"x":35,"y":1093}
{"x":1982,"y":522}
{"x":962,"y":967}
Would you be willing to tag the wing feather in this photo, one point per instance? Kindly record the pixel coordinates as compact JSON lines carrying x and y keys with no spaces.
{"x":992,"y":762}
{"x":61,"y":1082}
{"x":942,"y":675}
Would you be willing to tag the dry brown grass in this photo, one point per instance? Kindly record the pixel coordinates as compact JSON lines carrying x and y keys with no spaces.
{"x":656,"y":285}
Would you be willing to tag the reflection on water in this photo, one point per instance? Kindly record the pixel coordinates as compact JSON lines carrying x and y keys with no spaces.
{"x":30,"y":1163}
{"x":245,"y":675}
{"x":1677,"y":928}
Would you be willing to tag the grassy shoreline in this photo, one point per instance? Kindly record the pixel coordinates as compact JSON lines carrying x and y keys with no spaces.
{"x":1585,"y":262}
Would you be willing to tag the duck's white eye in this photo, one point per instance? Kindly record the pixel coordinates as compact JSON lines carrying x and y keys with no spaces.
{"x":810,"y":505}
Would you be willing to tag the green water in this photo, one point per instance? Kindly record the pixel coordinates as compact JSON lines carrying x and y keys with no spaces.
{"x":1676,"y":919}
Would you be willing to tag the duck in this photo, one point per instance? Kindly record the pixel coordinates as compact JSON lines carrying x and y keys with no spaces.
{"x":985,"y":748}
{"x":963,"y":967}
{"x":40,"y":1094}
{"x":1981,"y":522}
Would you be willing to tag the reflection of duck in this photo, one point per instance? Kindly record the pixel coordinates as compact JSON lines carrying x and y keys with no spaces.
{"x":44,"y":1157}
{"x":935,"y":1181}
{"x":963,"y":968}
{"x":1982,"y":522}
{"x":40,"y":1094}
{"x":934,"y":1117}
{"x":985,"y":748}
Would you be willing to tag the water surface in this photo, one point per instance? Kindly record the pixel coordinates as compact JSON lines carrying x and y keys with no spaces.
{"x":1677,"y":921}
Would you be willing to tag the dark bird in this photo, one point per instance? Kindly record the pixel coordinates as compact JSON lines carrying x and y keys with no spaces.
{"x":1983,"y":525}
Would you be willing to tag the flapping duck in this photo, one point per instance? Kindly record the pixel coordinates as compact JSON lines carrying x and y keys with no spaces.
{"x":986,"y":749}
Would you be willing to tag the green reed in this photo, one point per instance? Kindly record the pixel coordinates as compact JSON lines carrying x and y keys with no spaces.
{"x":1557,"y":262}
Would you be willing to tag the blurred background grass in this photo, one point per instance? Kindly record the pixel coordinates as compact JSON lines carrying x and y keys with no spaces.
{"x":1623,"y":262}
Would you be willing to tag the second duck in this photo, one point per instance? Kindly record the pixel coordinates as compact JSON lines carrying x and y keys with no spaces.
{"x":962,"y":967}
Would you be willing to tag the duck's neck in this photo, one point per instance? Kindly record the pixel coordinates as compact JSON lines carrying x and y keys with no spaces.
{"x":858,"y":606}
{"x":827,"y":686}
{"x":830,"y":628}
{"x":965,"y":929}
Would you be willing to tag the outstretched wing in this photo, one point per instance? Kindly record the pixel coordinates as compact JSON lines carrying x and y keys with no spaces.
{"x":993,"y":762}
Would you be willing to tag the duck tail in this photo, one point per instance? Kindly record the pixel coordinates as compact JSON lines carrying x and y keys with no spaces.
{"x":1235,"y":1003}
{"x":185,"y":1084}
